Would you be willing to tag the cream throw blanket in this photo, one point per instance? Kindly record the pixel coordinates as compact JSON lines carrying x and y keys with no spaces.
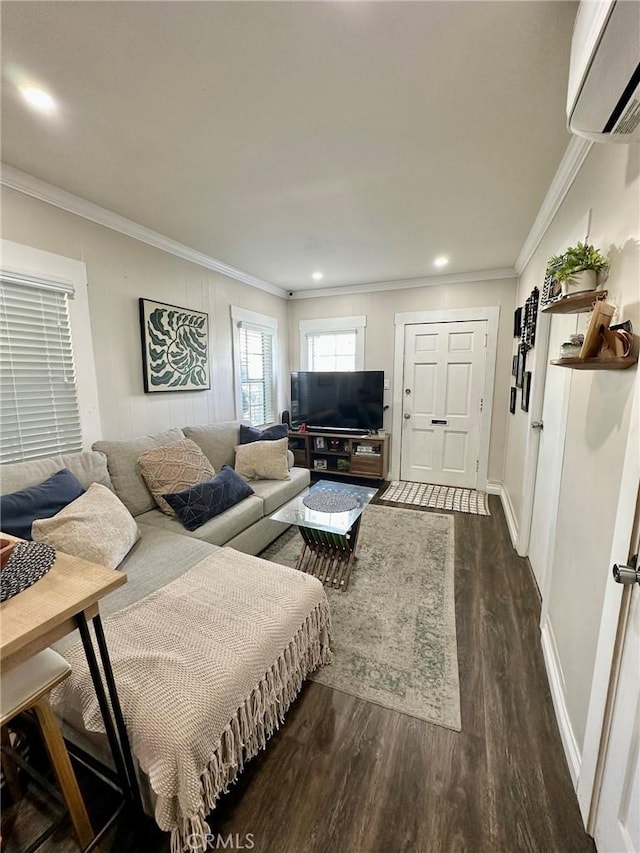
{"x":206,"y":668}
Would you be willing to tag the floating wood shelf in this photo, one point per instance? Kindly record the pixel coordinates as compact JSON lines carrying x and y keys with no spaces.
{"x":576,"y":303}
{"x":621,"y":363}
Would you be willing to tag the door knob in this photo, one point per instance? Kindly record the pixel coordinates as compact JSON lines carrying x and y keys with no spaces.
{"x":627,"y":575}
{"x":537,"y":425}
{"x":407,"y":416}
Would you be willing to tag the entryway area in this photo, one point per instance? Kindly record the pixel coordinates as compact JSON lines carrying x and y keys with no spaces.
{"x":443,"y":392}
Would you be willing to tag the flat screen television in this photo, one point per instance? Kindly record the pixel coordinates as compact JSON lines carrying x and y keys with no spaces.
{"x":341,"y":400}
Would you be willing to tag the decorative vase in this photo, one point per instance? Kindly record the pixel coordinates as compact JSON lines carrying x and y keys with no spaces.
{"x":580,"y":282}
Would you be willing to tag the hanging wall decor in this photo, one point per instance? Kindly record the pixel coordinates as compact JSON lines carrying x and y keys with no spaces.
{"x":530,"y":319}
{"x":522,"y":359}
{"x":517,"y":322}
{"x":175,"y":347}
{"x":526,"y":391}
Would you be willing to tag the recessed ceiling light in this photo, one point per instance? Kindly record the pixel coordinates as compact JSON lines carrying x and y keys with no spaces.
{"x":38,"y":98}
{"x":317,"y":275}
{"x":441,"y":261}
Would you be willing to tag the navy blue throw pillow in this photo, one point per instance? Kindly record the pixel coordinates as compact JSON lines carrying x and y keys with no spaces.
{"x":18,"y":510}
{"x":199,"y":503}
{"x":248,"y":434}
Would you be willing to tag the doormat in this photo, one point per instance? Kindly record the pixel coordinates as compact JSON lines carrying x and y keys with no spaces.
{"x":438,"y":497}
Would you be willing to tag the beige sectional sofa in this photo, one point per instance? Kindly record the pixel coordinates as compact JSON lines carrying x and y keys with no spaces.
{"x":166,"y":549}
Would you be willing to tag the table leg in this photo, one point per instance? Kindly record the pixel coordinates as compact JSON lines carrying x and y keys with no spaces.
{"x":118,"y":739}
{"x":63,"y":770}
{"x":329,"y":556}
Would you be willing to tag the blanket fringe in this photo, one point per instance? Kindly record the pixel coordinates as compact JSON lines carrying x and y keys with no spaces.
{"x":259,"y":716}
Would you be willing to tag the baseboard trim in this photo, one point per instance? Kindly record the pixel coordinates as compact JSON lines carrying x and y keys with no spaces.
{"x":493,"y":489}
{"x":509,"y":515}
{"x":556,"y":684}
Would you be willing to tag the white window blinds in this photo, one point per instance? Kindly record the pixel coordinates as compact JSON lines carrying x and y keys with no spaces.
{"x":39,"y":413}
{"x":331,"y":350}
{"x":257,"y":379}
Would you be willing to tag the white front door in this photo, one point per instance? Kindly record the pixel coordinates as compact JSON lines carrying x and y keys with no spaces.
{"x":617,"y":825}
{"x":441,"y":402}
{"x":555,"y":407}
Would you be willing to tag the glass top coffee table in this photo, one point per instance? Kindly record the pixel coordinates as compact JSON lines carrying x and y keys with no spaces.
{"x":328,"y":517}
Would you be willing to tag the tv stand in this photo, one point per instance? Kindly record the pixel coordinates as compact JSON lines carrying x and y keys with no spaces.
{"x":342,"y":454}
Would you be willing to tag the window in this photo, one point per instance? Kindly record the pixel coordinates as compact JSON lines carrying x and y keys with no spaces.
{"x":333,"y":344}
{"x":40,"y":414}
{"x":255,"y":359}
{"x":331,"y":350}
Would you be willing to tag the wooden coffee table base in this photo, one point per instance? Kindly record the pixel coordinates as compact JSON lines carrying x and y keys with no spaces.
{"x":329,"y":556}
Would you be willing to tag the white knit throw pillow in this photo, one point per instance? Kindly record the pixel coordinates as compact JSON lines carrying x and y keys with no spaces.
{"x":263,"y":460}
{"x":97,"y":527}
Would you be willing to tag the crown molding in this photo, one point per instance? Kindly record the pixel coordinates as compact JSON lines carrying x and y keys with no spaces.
{"x":408,"y":283}
{"x":574,"y":156}
{"x":29,"y":185}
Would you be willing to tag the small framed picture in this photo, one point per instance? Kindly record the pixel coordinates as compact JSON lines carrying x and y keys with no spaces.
{"x":514,"y":365}
{"x":319,"y":443}
{"x":522,"y":358}
{"x":551,"y":291}
{"x":517,"y":322}
{"x":526,"y":392}
{"x":320,"y":464}
{"x":512,"y":399}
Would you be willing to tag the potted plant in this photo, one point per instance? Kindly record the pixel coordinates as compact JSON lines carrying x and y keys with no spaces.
{"x":580,"y":267}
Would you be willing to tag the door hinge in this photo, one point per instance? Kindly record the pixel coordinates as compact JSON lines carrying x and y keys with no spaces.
{"x":486,"y":338}
{"x":481,"y":403}
{"x":477,"y":465}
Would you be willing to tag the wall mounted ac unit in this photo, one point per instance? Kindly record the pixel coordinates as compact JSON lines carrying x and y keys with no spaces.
{"x":603,"y":101}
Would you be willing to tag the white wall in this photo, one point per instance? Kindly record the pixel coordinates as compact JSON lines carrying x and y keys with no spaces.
{"x":120,"y":270}
{"x":598,"y":421}
{"x":380,"y":307}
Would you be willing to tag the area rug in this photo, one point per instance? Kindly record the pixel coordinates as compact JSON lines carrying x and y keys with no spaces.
{"x":437,"y":497}
{"x":394,"y":630}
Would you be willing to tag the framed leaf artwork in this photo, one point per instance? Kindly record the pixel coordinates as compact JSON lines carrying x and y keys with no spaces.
{"x":175,"y":348}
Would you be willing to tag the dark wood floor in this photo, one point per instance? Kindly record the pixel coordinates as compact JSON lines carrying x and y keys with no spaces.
{"x":347,"y":776}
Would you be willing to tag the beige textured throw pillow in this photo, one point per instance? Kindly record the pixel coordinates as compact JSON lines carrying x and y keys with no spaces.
{"x":172,"y":468}
{"x":263,"y":460}
{"x":97,"y":527}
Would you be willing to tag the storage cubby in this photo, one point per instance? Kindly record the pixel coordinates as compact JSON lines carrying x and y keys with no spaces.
{"x":346,"y":456}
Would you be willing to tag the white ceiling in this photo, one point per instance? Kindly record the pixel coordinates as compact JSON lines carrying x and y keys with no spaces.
{"x":361,"y":139}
